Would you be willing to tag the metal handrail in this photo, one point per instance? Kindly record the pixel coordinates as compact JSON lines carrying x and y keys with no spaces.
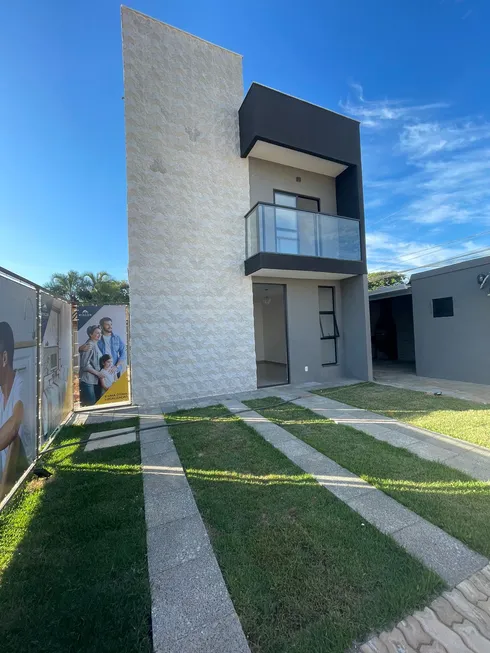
{"x":292,"y":208}
{"x":256,"y":243}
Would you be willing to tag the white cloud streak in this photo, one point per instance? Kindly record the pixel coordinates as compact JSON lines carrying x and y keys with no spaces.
{"x":421,"y":140}
{"x":379,"y":113}
{"x":423,"y":170}
{"x":389,"y":252}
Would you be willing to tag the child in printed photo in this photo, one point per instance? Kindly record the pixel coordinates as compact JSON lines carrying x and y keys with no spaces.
{"x":108,"y":372}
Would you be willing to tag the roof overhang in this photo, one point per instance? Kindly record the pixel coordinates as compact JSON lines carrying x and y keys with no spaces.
{"x":278,"y":119}
{"x":295,"y":159}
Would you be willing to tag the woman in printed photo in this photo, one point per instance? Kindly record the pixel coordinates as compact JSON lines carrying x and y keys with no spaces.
{"x":90,"y":374}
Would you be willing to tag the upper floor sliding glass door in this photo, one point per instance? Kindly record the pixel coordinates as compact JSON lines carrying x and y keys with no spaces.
{"x":291,"y":236}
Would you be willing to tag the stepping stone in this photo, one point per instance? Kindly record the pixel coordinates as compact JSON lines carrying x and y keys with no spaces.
{"x":192,"y":611}
{"x":121,"y":436}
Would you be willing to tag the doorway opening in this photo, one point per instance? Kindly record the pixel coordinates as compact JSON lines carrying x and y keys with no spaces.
{"x":392,"y":332}
{"x":271,"y":345}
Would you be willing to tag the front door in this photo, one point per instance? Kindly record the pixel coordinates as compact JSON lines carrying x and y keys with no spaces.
{"x":270,"y":323}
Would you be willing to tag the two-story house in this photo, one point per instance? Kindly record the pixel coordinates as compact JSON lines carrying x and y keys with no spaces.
{"x":247,"y":262}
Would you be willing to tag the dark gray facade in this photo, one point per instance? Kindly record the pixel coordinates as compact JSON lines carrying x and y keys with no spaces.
{"x":453,"y":347}
{"x":273,"y":117}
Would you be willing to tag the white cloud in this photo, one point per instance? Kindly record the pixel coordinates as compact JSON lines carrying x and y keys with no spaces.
{"x":374,"y":203}
{"x":450,"y":188}
{"x":423,"y":139}
{"x":377,"y":113}
{"x":386,"y":251}
{"x":424,"y":167}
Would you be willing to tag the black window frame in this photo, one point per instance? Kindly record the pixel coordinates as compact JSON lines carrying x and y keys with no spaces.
{"x":335,"y":325}
{"x":443,"y":308}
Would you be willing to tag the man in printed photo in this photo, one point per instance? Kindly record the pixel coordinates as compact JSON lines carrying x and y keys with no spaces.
{"x":112,"y":345}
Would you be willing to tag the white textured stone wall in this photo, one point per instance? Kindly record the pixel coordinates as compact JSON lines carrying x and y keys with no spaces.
{"x":192,"y":331}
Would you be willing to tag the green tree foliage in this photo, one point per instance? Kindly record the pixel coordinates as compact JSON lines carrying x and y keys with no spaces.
{"x":386,"y":278}
{"x":89,"y":288}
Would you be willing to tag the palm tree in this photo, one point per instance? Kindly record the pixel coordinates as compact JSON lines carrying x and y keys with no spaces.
{"x":100,"y":285}
{"x":89,"y":288}
{"x":72,"y":286}
{"x":97,"y":279}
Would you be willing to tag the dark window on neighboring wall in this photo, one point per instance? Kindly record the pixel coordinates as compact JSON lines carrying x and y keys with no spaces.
{"x":442,"y":307}
{"x":329,"y":331}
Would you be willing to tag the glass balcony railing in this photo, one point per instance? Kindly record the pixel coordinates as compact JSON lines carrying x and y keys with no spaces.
{"x":282,"y":230}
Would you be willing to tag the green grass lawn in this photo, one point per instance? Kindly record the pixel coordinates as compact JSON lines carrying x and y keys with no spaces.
{"x":457,"y":418}
{"x":73,"y":570}
{"x":304,"y":571}
{"x":446,"y":497}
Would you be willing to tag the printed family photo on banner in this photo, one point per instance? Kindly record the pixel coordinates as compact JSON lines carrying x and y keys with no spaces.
{"x":102,"y":340}
{"x":18,"y":381}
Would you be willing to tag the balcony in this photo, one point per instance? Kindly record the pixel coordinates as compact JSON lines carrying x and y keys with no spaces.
{"x":282,"y":238}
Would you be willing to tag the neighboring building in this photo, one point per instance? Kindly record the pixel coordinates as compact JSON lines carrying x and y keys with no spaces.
{"x":450,"y":321}
{"x":241,"y":270}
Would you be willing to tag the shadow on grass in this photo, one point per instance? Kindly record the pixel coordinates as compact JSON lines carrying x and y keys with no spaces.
{"x":451,"y":499}
{"x":73,"y":554}
{"x":304,"y":571}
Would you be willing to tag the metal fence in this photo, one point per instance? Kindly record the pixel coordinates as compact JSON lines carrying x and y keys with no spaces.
{"x":39,"y":369}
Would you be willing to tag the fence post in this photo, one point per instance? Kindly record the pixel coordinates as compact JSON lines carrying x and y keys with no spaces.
{"x":75,"y":355}
{"x":39,"y":388}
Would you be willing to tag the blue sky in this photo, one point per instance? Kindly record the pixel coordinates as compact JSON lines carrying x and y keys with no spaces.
{"x":415,"y":72}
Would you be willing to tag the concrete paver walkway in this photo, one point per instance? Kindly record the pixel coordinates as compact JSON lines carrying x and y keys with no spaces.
{"x":447,"y":556}
{"x":458,"y":454}
{"x":103,"y":415}
{"x":192,"y":611}
{"x":191,"y":608}
{"x":456,"y":622}
{"x":402,"y":376}
{"x":112,"y":438}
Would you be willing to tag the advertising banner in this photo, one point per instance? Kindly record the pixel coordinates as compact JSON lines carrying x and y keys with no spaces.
{"x":56,"y":364}
{"x":18,"y":381}
{"x":102,"y":340}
